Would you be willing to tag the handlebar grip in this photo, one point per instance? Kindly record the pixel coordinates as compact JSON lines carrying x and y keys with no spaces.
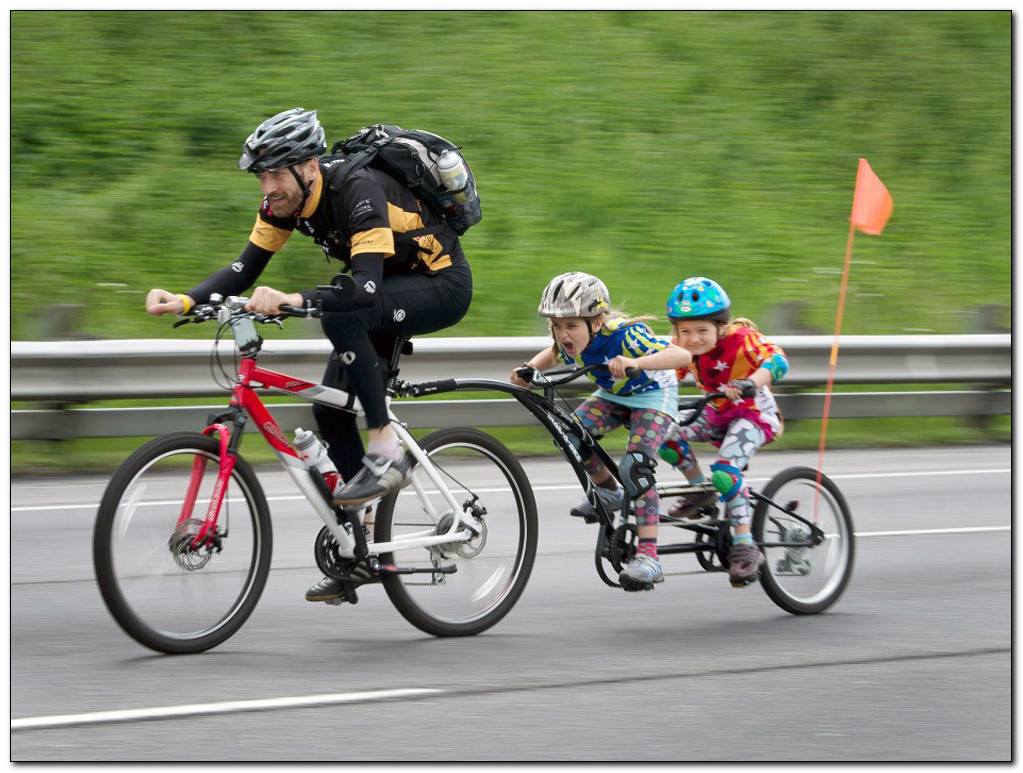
{"x":295,"y":311}
{"x":433,"y":387}
{"x":633,"y":372}
{"x":525,"y":372}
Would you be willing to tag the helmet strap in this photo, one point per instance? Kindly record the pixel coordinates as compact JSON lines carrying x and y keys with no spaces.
{"x":302,"y":185}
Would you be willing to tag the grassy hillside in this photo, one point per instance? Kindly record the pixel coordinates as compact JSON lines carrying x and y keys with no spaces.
{"x":640,"y":146}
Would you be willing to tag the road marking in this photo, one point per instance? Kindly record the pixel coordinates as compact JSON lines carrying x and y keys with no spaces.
{"x":914,"y":532}
{"x":197,"y":709}
{"x":575,"y":486}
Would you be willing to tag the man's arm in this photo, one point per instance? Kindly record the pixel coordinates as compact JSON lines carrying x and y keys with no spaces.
{"x":235,"y":278}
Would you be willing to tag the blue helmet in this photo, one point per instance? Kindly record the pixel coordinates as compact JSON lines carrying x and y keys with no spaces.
{"x":698,"y":298}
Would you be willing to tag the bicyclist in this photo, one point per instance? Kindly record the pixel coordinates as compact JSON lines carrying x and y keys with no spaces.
{"x":728,"y":356}
{"x":410,"y":277}
{"x":587,"y":331}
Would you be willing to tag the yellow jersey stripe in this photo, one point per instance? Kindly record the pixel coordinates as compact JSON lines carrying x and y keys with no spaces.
{"x":268,"y":237}
{"x":374,"y":240}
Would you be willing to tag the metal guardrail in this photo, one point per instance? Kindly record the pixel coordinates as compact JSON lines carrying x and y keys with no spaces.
{"x":67,"y":373}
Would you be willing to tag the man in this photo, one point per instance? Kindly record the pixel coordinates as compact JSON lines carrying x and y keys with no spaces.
{"x":410,"y":277}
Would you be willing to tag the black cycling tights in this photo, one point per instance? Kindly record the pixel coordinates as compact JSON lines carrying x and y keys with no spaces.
{"x":363,"y":339}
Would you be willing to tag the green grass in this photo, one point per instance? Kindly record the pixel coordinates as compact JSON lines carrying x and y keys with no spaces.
{"x":640,"y":146}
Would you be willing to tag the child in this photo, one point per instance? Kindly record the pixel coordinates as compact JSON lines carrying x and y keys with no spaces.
{"x":587,"y":331}
{"x":729,"y":358}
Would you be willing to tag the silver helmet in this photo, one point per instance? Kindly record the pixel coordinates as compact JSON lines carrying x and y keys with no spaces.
{"x":574,"y":294}
{"x":283,"y":140}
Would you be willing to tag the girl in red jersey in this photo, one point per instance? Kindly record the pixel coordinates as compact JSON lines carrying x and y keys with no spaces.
{"x":728,"y":357}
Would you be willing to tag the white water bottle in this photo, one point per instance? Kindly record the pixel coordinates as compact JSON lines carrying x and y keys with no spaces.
{"x":453,"y":173}
{"x":314,"y":454}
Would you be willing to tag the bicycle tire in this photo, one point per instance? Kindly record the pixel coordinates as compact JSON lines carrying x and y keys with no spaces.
{"x":417,"y":606}
{"x":254,"y":560}
{"x":789,"y":594}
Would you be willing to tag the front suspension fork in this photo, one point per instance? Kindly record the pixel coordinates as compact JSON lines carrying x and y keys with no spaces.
{"x":226,"y":457}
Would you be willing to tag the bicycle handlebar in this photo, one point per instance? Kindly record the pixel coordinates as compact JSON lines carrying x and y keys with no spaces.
{"x":235,"y":304}
{"x":696,"y":404}
{"x":529,"y":373}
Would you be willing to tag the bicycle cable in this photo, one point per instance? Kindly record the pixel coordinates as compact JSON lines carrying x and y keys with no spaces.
{"x":227,"y":384}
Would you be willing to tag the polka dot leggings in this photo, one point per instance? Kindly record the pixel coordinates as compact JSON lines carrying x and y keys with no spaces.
{"x":647,"y":429}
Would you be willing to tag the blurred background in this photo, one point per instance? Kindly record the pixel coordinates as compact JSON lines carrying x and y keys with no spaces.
{"x":639,"y":146}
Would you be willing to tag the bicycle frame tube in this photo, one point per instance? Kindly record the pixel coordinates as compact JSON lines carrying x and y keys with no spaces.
{"x":558,"y":422}
{"x":244,"y":395}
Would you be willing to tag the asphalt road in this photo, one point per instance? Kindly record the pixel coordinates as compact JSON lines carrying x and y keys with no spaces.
{"x":913,"y":663}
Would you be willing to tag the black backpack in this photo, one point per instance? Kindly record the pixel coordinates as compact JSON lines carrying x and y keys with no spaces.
{"x":414,"y":157}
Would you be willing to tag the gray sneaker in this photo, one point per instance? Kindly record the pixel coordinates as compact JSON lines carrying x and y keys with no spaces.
{"x":641,"y":574}
{"x":744,"y":562}
{"x":693,"y":507}
{"x":612,"y":499}
{"x":379,"y":475}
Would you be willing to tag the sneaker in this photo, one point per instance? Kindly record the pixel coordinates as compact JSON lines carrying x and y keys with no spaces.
{"x":744,"y":562}
{"x":612,"y":499}
{"x":379,"y":475}
{"x":328,"y":589}
{"x":692,"y":507}
{"x":641,"y":573}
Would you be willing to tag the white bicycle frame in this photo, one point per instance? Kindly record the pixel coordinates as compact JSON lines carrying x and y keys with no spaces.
{"x":251,"y":377}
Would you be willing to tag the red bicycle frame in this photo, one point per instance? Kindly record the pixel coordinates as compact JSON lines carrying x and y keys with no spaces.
{"x":244,"y":397}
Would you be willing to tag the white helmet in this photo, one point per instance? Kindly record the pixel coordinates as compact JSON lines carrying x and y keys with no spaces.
{"x":574,"y":294}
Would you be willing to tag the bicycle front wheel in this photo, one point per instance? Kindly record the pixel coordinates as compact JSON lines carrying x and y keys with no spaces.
{"x":163,"y":591}
{"x":492,"y":568}
{"x":801,"y":578}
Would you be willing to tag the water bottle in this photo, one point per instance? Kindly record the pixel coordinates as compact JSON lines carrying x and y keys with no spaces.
{"x":314,"y":454}
{"x":453,"y":173}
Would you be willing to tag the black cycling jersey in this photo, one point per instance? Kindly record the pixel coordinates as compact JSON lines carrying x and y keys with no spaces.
{"x":370,"y":215}
{"x":410,"y":277}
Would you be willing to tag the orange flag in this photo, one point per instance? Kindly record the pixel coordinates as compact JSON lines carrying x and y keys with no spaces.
{"x":872,"y":204}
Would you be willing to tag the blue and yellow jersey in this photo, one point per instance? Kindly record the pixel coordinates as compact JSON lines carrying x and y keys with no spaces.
{"x":629,"y":339}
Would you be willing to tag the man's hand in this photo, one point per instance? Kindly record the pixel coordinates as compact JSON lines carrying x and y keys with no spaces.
{"x":266,"y":300}
{"x":162,"y":302}
{"x":618,"y":365}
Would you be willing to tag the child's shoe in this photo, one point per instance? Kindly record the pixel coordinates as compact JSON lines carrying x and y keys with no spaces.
{"x":744,"y":562}
{"x":641,"y":573}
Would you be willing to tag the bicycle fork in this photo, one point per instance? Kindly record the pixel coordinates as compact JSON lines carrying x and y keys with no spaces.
{"x":208,"y":531}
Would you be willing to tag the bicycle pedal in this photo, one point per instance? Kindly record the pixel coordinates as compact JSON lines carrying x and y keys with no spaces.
{"x":633,"y":586}
{"x":742,"y":583}
{"x":587,"y":517}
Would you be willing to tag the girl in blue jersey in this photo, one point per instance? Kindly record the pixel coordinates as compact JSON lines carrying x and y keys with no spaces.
{"x":587,"y":331}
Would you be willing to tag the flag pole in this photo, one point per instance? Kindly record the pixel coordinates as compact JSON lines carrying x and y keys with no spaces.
{"x":833,"y":363}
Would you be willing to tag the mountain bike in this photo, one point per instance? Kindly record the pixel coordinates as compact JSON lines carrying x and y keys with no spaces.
{"x":801,"y":520}
{"x":183,"y":537}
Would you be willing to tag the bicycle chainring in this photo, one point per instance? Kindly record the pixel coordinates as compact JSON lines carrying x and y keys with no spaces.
{"x":623,"y":545}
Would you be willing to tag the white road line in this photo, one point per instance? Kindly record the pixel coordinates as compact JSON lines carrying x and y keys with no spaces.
{"x":196,"y":709}
{"x":574,"y":486}
{"x":914,"y":532}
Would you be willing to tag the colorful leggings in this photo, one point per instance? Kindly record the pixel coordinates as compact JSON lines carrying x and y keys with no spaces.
{"x":739,"y":441}
{"x":648,"y":429}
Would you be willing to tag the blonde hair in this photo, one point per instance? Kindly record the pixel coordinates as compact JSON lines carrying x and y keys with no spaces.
{"x":738,"y":322}
{"x":603,"y":317}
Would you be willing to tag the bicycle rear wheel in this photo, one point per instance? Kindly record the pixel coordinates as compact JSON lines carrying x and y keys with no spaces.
{"x":492,"y":569}
{"x":165,"y":595}
{"x":801,"y":578}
